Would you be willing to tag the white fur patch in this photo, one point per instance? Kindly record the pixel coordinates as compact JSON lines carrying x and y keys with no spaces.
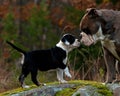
{"x":76,"y":43}
{"x":61,"y":45}
{"x":22,"y":60}
{"x":65,"y":60}
{"x":99,"y":35}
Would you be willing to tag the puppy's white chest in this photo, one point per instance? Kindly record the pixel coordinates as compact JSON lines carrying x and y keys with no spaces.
{"x":65,"y":60}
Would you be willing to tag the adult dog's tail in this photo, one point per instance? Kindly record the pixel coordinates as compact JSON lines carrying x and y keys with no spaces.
{"x":15,"y":47}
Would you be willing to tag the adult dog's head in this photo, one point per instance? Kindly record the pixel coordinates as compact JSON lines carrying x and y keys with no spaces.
{"x":103,"y":25}
{"x":96,"y":25}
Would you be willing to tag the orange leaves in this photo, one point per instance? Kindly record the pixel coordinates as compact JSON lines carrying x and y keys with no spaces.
{"x":4,"y":9}
{"x":83,"y":4}
{"x":61,"y":21}
{"x":24,"y":12}
{"x":20,"y":12}
{"x":58,"y":17}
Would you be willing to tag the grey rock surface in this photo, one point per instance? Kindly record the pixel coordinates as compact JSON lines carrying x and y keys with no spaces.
{"x":45,"y":90}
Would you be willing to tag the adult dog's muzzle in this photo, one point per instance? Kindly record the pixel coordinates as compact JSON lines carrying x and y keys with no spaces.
{"x":86,"y":39}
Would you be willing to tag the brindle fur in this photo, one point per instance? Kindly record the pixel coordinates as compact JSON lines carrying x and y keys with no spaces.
{"x":110,"y":23}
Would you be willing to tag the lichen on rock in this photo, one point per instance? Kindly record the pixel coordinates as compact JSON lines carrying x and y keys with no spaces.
{"x":72,"y":88}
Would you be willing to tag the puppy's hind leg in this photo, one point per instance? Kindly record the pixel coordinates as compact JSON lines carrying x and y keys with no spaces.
{"x":22,"y":78}
{"x":34,"y":77}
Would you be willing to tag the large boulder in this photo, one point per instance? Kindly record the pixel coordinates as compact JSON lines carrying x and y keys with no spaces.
{"x":73,"y":88}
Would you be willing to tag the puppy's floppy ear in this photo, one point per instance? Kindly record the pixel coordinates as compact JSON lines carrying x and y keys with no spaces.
{"x":92,"y":12}
{"x":65,"y":41}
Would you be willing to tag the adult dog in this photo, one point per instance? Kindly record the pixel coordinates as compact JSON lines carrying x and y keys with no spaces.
{"x":103,"y":25}
{"x":43,"y":60}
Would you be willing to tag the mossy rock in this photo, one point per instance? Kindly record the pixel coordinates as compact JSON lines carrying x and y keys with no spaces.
{"x":56,"y":89}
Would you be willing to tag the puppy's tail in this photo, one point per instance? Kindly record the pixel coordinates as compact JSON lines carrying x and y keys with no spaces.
{"x":15,"y":47}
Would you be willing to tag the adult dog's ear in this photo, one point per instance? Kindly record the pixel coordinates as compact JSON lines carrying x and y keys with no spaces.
{"x":92,"y":12}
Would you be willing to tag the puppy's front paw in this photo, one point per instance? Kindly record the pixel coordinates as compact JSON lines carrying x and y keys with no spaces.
{"x":43,"y":84}
{"x":69,"y":75}
{"x":63,"y":81}
{"x":25,"y":86}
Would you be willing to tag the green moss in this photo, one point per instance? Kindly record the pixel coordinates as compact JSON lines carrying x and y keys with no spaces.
{"x":102,"y":89}
{"x":85,"y":82}
{"x":65,"y":92}
{"x":105,"y":92}
{"x":15,"y":91}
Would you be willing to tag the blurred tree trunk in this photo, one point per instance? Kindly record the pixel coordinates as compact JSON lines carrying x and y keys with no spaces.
{"x":19,"y":21}
{"x":36,"y":2}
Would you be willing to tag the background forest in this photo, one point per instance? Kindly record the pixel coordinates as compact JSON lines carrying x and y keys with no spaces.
{"x":39,"y":24}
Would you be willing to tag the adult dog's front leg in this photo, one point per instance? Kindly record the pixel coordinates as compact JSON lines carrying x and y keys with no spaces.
{"x":110,"y":65}
{"x":60,"y":75}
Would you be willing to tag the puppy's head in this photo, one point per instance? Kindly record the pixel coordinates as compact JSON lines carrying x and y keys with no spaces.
{"x":68,"y":42}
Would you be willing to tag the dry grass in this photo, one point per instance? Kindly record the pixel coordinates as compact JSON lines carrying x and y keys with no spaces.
{"x":6,"y":77}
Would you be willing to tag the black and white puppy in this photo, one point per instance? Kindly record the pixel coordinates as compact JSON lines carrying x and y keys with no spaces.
{"x":43,"y":60}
